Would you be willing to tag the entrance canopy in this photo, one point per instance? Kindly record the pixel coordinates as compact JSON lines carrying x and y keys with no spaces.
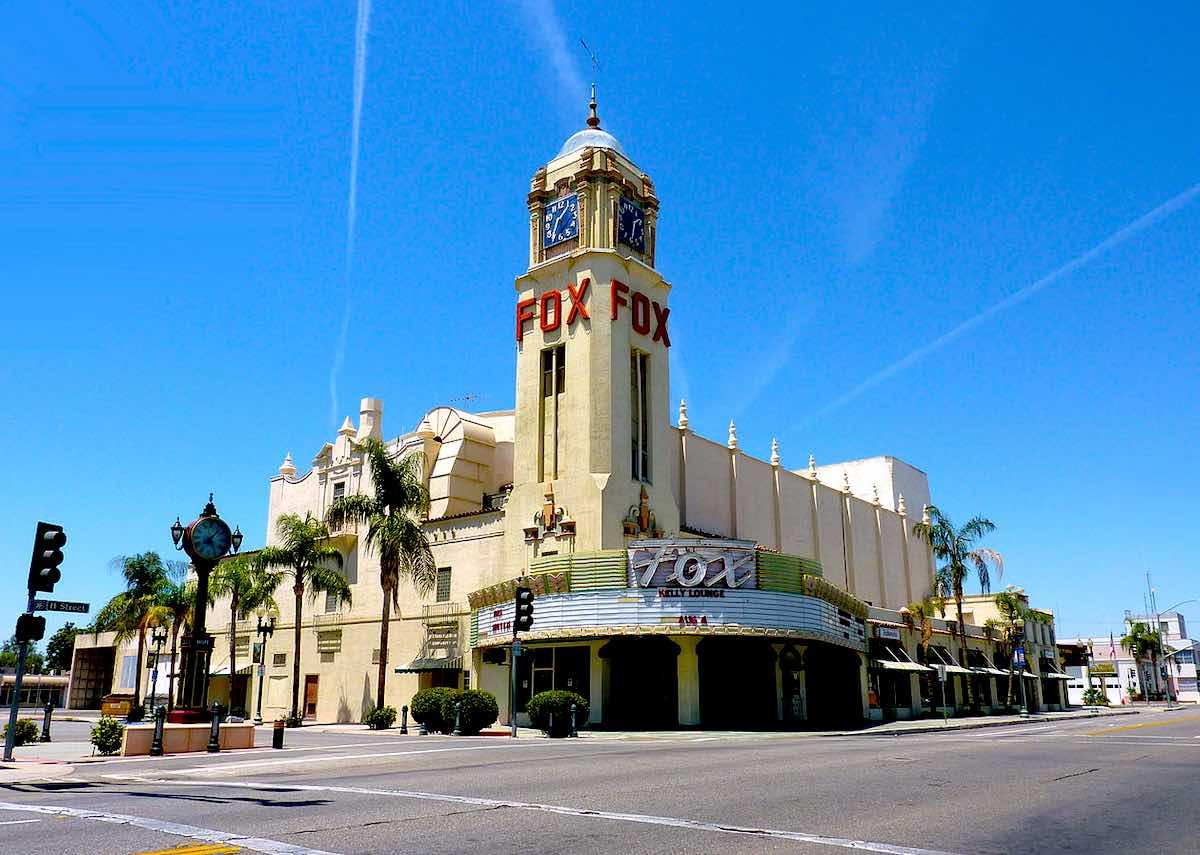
{"x":891,"y":656}
{"x":441,"y":664}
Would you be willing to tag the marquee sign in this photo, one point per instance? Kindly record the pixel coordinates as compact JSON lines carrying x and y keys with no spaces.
{"x":689,"y":567}
{"x":647,"y":316}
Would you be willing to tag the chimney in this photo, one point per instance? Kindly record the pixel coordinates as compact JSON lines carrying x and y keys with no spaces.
{"x":370,"y":418}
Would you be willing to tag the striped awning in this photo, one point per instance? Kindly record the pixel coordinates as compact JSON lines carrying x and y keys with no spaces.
{"x":441,"y":664}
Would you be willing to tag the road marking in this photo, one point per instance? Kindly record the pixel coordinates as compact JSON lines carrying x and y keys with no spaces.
{"x":1118,"y":728}
{"x":254,"y":844}
{"x":289,"y":761}
{"x":258,"y":749}
{"x":642,"y":819}
{"x":199,"y":849}
{"x":18,"y":821}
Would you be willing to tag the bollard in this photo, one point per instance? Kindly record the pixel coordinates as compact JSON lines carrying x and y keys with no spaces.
{"x":572,"y":732}
{"x":404,"y":720}
{"x":156,"y":745}
{"x":214,"y":735}
{"x":277,"y":734}
{"x":423,"y":730}
{"x":46,"y":721}
{"x":457,"y":719}
{"x":550,"y":728}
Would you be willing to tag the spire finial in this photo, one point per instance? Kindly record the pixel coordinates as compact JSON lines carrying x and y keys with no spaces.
{"x":925,"y":515}
{"x":593,"y":120}
{"x":733,"y":441}
{"x":845,"y":482}
{"x":774,"y":451}
{"x":683,"y":419}
{"x":901,"y":509}
{"x":875,"y":494}
{"x":812,"y":467}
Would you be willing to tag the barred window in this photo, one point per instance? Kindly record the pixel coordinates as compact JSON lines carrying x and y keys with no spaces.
{"x":443,"y":584}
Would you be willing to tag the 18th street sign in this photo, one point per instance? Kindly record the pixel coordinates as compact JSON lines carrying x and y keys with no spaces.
{"x":60,"y":606}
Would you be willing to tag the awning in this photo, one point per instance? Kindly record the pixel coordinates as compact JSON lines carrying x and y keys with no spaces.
{"x":1055,"y":675}
{"x":890,"y":665}
{"x":945,"y":658}
{"x":990,"y":672}
{"x":451,"y":664}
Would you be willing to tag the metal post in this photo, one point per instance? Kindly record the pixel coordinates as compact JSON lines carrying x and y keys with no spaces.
{"x":457,"y":719}
{"x":573,"y":732}
{"x":1024,"y":708}
{"x":404,"y":720}
{"x":512,"y":684}
{"x":156,"y":746}
{"x":277,"y":734}
{"x":22,"y":650}
{"x":214,"y":735}
{"x":945,"y":711}
{"x":49,"y":711}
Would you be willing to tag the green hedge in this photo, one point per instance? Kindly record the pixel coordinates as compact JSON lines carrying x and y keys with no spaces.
{"x":426,"y":708}
{"x":107,"y":735}
{"x":557,"y":703}
{"x":27,"y":731}
{"x":479,"y":709}
{"x":380,"y":718}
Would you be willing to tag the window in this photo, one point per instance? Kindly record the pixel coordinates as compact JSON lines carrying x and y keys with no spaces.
{"x":1184,"y":657}
{"x":639,"y":415}
{"x":554,"y":385}
{"x":443,"y":584}
{"x":128,"y":672}
{"x":375,"y":656}
{"x":241,"y":645}
{"x":331,"y":602}
{"x":339,"y":490}
{"x":329,"y":641}
{"x":326,"y":656}
{"x":279,"y":660}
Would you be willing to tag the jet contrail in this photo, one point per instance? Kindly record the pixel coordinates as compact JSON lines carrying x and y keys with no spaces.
{"x":360,"y":80}
{"x":1115,"y":239}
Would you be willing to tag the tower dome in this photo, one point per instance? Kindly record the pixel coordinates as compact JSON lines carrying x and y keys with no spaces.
{"x":591,"y":136}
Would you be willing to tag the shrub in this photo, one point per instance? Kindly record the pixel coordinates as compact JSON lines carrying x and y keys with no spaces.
{"x":426,"y":708}
{"x":107,"y":735}
{"x":136,"y":713}
{"x":479,"y":709}
{"x":1095,"y":697}
{"x":380,"y":718}
{"x":558,"y":703}
{"x":27,"y":731}
{"x":294,"y":721}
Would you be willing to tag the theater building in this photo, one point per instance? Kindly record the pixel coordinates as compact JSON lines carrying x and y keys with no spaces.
{"x":681,"y":580}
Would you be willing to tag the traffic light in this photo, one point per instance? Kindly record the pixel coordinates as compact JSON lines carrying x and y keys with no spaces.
{"x":523,"y":618}
{"x":47,"y":555}
{"x":30,"y":628}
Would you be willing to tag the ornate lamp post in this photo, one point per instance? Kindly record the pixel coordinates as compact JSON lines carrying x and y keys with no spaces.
{"x":1019,"y":625}
{"x":158,"y":638}
{"x":265,"y":630}
{"x":206,"y":540}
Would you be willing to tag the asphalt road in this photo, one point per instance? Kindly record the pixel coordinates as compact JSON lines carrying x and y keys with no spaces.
{"x":1122,"y":785}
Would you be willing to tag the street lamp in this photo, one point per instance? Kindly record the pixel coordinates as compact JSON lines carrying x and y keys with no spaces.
{"x":206,"y":540}
{"x":265,"y":630}
{"x":1019,"y":625}
{"x":158,"y":638}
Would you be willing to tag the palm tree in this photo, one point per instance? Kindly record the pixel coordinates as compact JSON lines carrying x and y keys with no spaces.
{"x":138,"y":607}
{"x":1012,"y":610}
{"x":1141,"y":641}
{"x":249,"y":586}
{"x":957,"y":549}
{"x":304,"y":556}
{"x":393,"y":518}
{"x":922,"y":612}
{"x":177,"y":600}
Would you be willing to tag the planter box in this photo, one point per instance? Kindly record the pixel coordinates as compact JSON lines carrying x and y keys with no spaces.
{"x":116,"y":705}
{"x":182,"y":738}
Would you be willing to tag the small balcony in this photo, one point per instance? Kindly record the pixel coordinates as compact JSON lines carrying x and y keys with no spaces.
{"x":443,"y":611}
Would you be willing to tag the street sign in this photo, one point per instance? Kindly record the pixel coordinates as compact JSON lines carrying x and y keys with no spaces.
{"x":205,"y":642}
{"x":1019,"y":657}
{"x":941,"y":669}
{"x":60,"y":606}
{"x":516,"y":648}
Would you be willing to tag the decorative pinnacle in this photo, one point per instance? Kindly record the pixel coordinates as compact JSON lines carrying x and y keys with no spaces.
{"x":901,"y":509}
{"x":287,"y":468}
{"x":774,"y":452}
{"x":875,"y":493}
{"x":733,"y":443}
{"x":593,"y":120}
{"x":845,"y":482}
{"x":683,"y":419}
{"x":812,"y":467}
{"x":346,"y":427}
{"x":925,"y":518}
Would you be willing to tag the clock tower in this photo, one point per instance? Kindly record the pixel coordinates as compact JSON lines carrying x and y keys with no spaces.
{"x":594,"y":448}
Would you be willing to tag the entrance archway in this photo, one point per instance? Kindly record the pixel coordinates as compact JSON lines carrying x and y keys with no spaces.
{"x":833,"y":686}
{"x":641,"y":683}
{"x":737,"y":683}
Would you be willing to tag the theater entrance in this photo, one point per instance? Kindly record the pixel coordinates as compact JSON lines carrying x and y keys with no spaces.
{"x":641,"y":689}
{"x":834,"y":687}
{"x":737,"y":683}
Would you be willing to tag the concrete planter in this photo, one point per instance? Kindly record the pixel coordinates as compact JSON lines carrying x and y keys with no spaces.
{"x":182,"y":738}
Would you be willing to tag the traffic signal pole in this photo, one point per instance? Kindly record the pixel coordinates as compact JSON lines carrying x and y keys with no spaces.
{"x":22,"y":651}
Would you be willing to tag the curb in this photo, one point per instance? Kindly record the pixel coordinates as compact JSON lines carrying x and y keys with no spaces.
{"x":977,"y":725}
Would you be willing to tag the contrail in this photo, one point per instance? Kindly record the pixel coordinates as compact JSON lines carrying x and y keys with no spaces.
{"x":360,"y":80}
{"x":1115,"y":239}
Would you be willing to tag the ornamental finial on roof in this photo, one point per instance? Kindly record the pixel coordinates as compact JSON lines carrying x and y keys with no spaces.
{"x":925,"y":518}
{"x":900,"y":509}
{"x":683,"y":419}
{"x":287,"y":468}
{"x":346,"y":427}
{"x":733,"y":443}
{"x":812,"y":467}
{"x":774,"y":452}
{"x":845,"y":482}
{"x":593,"y":120}
{"x":875,"y":493}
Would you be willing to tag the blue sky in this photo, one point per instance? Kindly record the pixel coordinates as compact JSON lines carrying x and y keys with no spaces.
{"x":840,"y":189}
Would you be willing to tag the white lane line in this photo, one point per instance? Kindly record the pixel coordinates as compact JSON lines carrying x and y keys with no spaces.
{"x":290,"y":761}
{"x":18,"y":821}
{"x":642,"y":819}
{"x":254,"y":844}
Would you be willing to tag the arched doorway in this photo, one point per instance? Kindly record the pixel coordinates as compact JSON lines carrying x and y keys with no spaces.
{"x":737,"y":683}
{"x":641,"y":683}
{"x":834,"y":689}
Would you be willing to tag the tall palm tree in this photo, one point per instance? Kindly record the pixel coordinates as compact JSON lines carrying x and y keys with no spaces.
{"x":1012,"y":609}
{"x":249,"y":586}
{"x":305,"y":555}
{"x":393,"y":517}
{"x":1143,"y":642}
{"x":137,"y":608}
{"x":177,"y":601}
{"x":956,"y":548}
{"x":922,"y":613}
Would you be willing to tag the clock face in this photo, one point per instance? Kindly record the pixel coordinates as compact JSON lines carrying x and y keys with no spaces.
{"x":631,"y":225}
{"x":210,"y":538}
{"x":561,"y":220}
